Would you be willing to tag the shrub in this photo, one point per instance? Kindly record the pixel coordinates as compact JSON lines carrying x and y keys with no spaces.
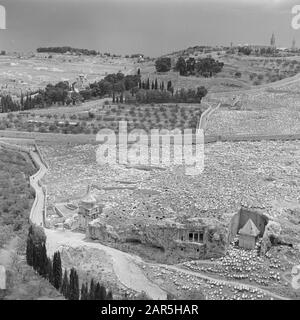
{"x":163,"y":64}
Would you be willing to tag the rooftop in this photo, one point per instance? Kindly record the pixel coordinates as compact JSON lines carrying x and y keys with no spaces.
{"x":249,"y":229}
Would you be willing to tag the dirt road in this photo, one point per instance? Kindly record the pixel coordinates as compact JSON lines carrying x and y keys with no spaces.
{"x":125,"y":265}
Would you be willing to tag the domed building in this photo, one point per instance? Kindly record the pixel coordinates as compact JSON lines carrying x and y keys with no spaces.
{"x":88,"y":210}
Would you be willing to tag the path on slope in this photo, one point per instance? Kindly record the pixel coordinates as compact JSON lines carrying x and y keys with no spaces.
{"x":124,"y":264}
{"x":36,"y":214}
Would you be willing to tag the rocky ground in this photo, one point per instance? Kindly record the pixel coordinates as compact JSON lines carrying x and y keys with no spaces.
{"x":255,"y":174}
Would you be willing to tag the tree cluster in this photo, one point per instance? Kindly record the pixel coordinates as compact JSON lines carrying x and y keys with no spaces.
{"x":9,"y":105}
{"x":206,"y":67}
{"x":164,"y":96}
{"x":264,"y":51}
{"x":67,"y":49}
{"x":163,"y":64}
{"x":112,"y":83}
{"x":154,"y":85}
{"x":51,"y":269}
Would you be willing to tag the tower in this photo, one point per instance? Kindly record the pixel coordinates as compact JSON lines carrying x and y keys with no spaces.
{"x":273,"y":44}
{"x":294,"y":44}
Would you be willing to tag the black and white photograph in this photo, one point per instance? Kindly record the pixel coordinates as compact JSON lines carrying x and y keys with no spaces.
{"x":149,"y":151}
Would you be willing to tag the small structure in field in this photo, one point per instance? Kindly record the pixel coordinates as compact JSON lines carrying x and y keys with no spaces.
{"x":248,"y":235}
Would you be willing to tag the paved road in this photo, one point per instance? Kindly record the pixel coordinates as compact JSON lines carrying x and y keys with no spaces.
{"x":36,"y":214}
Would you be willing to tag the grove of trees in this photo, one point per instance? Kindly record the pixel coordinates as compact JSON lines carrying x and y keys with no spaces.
{"x":67,"y":49}
{"x":206,"y":67}
{"x":163,"y":64}
{"x":165,"y":96}
{"x":51,"y":269}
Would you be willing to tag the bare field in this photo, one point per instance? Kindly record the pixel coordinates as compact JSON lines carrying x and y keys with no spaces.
{"x":267,"y":111}
{"x":28,"y":73}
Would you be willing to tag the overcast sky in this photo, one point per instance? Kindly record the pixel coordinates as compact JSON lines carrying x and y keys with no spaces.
{"x":152,"y":27}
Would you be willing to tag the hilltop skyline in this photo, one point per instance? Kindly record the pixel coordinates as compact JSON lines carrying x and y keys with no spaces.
{"x":150,"y":27}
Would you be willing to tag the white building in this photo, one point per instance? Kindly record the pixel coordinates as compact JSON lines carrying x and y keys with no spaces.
{"x":248,"y":235}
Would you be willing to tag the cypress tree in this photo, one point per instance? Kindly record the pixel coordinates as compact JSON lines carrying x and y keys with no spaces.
{"x":152,"y":85}
{"x":36,"y":257}
{"x":97,"y":292}
{"x":139,"y":71}
{"x":84,"y":292}
{"x":50,"y":271}
{"x":43,"y":261}
{"x":29,"y":251}
{"x":156,"y":84}
{"x":162,"y":86}
{"x":109,"y":295}
{"x":65,"y":285}
{"x":57,"y":270}
{"x":74,"y":285}
{"x":71,"y":285}
{"x":114,"y":98}
{"x":102,"y":293}
{"x":22,"y":100}
{"x":121,"y":98}
{"x":148,"y":84}
{"x":92,"y":290}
